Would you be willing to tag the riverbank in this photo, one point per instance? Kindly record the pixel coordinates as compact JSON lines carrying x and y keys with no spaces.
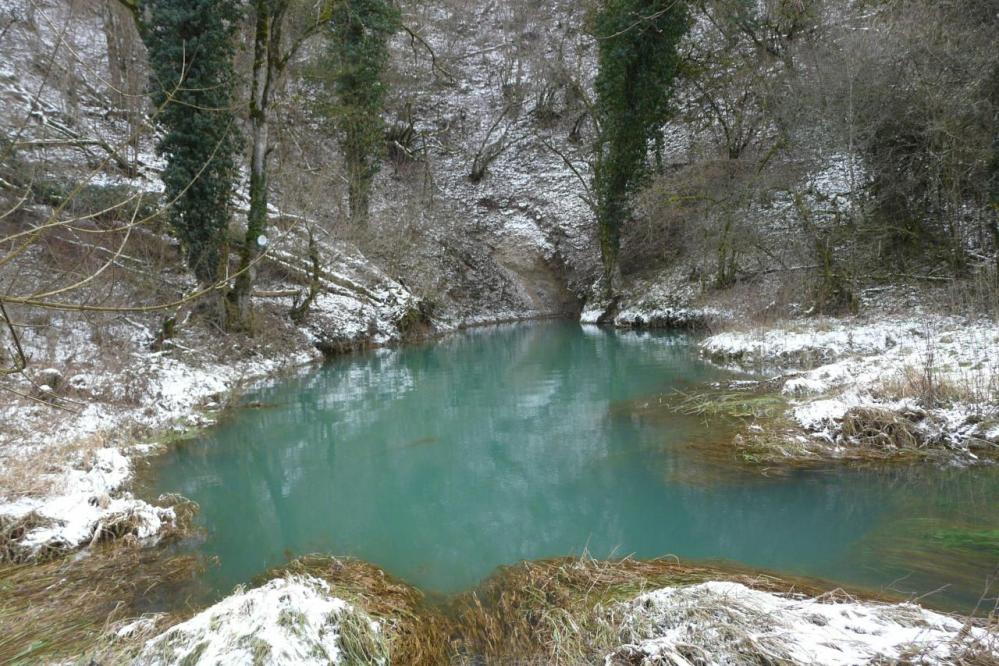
{"x":108,"y":469}
{"x":78,"y":431}
{"x":568,"y":611}
{"x":898,"y":386}
{"x":914,"y":375}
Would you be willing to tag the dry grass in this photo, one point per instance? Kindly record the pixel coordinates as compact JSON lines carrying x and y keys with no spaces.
{"x":756,"y":401}
{"x":418,"y":632}
{"x":561,"y":611}
{"x":558,"y":611}
{"x":12,"y":530}
{"x":37,"y":472}
{"x":113,"y":527}
{"x":64,"y":609}
{"x":731,"y":425}
{"x":871,"y":436}
{"x":882,"y":429}
{"x":931,"y":388}
{"x":900,"y":435}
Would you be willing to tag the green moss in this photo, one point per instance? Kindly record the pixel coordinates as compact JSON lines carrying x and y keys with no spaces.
{"x":987,"y":540}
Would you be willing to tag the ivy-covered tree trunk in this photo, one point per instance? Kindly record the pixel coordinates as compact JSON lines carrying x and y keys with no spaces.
{"x":637,"y":52}
{"x":191,"y":45}
{"x":359,"y":153}
{"x":268,"y":15}
{"x":993,"y":172}
{"x":350,"y":76}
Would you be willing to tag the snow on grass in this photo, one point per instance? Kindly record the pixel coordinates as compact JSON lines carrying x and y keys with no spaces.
{"x":940,"y":375}
{"x":824,"y":341}
{"x":65,"y":468}
{"x":81,"y":508}
{"x":729,"y":623}
{"x":292,"y":620}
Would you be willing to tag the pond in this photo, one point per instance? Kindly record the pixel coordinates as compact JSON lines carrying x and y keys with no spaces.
{"x":443,"y":461}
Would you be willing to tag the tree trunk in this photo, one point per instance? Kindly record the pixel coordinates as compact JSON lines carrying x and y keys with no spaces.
{"x":359,"y":195}
{"x":256,"y":224}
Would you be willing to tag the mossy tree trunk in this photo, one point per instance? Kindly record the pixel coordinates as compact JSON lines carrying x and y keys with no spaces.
{"x":269,"y":15}
{"x":637,"y":56}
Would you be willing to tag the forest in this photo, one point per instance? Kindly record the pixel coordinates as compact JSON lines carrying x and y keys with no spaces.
{"x":601,"y":331}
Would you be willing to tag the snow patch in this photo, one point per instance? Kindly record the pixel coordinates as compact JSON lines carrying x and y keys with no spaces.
{"x":883,"y":365}
{"x":729,"y":623}
{"x":82,"y":508}
{"x":292,"y":620}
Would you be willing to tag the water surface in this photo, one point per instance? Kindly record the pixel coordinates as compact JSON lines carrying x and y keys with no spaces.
{"x":441,"y":462}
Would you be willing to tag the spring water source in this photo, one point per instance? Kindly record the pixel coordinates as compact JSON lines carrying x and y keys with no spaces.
{"x":441,"y":462}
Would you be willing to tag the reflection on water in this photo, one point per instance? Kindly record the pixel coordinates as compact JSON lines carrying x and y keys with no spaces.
{"x":441,"y":462}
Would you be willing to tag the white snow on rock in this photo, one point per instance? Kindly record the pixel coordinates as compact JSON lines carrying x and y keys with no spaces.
{"x":82,"y":507}
{"x":593,"y":313}
{"x":729,"y":623}
{"x":658,"y":316}
{"x":292,"y":620}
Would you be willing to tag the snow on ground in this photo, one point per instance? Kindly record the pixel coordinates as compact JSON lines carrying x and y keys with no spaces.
{"x":82,"y":510}
{"x":80,"y":488}
{"x":66,"y":464}
{"x":729,"y":623}
{"x":292,"y":620}
{"x":939,"y":374}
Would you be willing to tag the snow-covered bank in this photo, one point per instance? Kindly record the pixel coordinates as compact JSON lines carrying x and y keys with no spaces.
{"x":67,"y":461}
{"x":890,"y":384}
{"x":729,"y":623}
{"x":95,"y":388}
{"x":298,"y":618}
{"x":666,"y":299}
{"x":293,"y":620}
{"x":86,"y":506}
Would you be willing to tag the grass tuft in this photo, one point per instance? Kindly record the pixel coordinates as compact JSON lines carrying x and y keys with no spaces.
{"x":414,"y":630}
{"x":63,"y":609}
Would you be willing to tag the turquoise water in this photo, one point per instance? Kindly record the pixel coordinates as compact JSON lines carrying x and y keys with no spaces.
{"x":441,"y":462}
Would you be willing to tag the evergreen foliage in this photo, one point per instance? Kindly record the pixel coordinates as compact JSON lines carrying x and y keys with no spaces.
{"x":191,"y":49}
{"x":352,"y":91}
{"x":638,"y":61}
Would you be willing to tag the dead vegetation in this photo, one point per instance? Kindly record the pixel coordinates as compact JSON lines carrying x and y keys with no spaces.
{"x":741,"y":423}
{"x":883,"y":429}
{"x":123,"y":527}
{"x":748,"y":401}
{"x":562,"y":611}
{"x":933,"y":387}
{"x":36,"y":473}
{"x":559,"y":611}
{"x":12,"y":530}
{"x":418,"y":632}
{"x":66,"y":609}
